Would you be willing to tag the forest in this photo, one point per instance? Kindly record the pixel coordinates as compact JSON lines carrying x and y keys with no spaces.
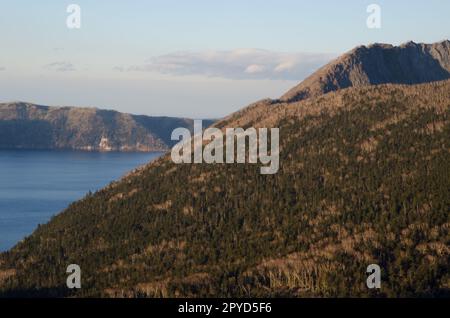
{"x":364,"y":179}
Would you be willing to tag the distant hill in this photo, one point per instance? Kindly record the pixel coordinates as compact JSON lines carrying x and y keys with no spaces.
{"x":364,"y":179}
{"x":410,"y":63}
{"x":29,"y":126}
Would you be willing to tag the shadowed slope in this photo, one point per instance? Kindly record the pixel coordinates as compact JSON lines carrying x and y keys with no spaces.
{"x":24,"y":125}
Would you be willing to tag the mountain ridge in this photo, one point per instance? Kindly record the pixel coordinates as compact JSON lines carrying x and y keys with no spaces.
{"x":363,"y":179}
{"x":378,"y":63}
{"x":31,"y":126}
{"x":348,"y":194}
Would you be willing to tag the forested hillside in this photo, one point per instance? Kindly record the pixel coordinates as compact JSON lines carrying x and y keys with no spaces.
{"x":30,"y":126}
{"x":364,"y":178}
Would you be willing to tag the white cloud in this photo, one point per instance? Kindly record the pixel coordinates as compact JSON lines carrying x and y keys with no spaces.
{"x":254,"y":68}
{"x":2,"y":68}
{"x":285,"y":66}
{"x":62,"y":66}
{"x":236,"y":64}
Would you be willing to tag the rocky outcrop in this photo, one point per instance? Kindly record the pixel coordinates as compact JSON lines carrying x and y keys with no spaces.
{"x":410,"y":63}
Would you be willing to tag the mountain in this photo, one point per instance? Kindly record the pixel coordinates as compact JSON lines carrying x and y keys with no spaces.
{"x":25,"y":125}
{"x":410,"y":63}
{"x":363,"y":179}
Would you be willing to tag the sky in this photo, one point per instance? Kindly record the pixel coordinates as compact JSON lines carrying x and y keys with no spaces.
{"x":190,"y":58}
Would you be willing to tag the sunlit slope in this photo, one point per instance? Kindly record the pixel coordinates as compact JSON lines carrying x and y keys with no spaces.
{"x":364,"y":178}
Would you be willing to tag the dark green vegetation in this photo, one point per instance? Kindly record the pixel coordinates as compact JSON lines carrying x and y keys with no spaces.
{"x":364,"y":178}
{"x":29,"y":126}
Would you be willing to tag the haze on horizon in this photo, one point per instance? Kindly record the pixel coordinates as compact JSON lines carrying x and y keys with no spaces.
{"x":198,"y":58}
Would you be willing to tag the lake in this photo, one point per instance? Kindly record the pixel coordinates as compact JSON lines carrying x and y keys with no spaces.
{"x":35,"y":185}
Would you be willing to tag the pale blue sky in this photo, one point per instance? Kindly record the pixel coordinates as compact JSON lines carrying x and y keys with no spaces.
{"x":226,"y":53}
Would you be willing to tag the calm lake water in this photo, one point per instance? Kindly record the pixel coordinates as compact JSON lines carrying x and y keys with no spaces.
{"x":35,"y":185}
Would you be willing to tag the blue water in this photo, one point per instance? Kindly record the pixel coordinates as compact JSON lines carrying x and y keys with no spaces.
{"x":35,"y":185}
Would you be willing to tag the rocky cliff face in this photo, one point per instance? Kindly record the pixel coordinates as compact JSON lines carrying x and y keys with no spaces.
{"x":410,"y":63}
{"x":24,"y":125}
